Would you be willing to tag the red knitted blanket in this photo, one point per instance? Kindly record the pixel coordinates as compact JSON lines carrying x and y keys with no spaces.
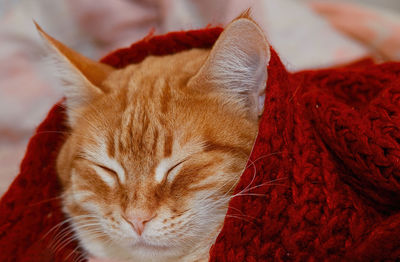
{"x":323,"y":181}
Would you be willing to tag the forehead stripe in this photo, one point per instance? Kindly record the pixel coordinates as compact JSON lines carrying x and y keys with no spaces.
{"x":168,"y":142}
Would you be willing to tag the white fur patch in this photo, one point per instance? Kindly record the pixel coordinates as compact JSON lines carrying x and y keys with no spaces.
{"x":164,"y":166}
{"x":161,"y":169}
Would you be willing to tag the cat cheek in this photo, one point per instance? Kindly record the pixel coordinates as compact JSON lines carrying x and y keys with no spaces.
{"x":90,"y":207}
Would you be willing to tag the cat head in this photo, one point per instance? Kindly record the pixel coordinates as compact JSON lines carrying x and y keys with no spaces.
{"x":155,"y":149}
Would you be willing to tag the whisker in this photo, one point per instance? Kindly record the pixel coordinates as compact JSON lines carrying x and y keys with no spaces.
{"x":269,"y":183}
{"x":72,"y":238}
{"x":47,"y":200}
{"x":252,"y":163}
{"x":60,"y":237}
{"x":241,"y":218}
{"x":72,"y":252}
{"x":241,"y":213}
{"x":264,"y":156}
{"x":66,"y":221}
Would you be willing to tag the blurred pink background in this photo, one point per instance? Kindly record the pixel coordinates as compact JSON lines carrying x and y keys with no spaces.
{"x":307,"y":34}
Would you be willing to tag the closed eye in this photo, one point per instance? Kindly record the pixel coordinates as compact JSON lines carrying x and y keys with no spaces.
{"x":94,"y":163}
{"x":107,"y":169}
{"x":108,"y":166}
{"x":106,"y":174}
{"x":174,"y":169}
{"x":163,"y":174}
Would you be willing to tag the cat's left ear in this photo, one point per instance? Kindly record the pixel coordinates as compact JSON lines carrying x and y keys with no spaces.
{"x":237,"y":65}
{"x":81,"y":78}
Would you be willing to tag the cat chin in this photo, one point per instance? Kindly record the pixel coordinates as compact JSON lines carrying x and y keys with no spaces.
{"x":150,"y":248}
{"x":139,"y":252}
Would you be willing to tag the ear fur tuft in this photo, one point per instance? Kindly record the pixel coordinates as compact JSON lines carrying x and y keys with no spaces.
{"x":237,"y":65}
{"x":80,"y":76}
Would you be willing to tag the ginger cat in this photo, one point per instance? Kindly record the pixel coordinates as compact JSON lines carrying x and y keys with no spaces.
{"x":155,"y":149}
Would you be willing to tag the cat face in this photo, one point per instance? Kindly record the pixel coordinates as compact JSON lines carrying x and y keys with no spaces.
{"x":156,"y":148}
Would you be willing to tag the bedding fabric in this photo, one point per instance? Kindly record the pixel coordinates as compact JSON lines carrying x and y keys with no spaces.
{"x":322,"y":182}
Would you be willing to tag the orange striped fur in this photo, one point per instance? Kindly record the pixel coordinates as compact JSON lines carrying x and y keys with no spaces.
{"x":156,"y":148}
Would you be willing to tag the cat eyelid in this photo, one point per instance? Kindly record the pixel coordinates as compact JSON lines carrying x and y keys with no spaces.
{"x":104,"y":168}
{"x":173,"y":167}
{"x":165,"y":172}
{"x":106,"y":165}
{"x":172,"y":171}
{"x":109,"y":170}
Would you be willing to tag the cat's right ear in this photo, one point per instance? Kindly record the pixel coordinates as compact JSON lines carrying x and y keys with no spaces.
{"x":237,"y":66}
{"x":81,"y":77}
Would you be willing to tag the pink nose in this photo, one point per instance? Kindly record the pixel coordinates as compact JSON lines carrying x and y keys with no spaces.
{"x":138,"y":219}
